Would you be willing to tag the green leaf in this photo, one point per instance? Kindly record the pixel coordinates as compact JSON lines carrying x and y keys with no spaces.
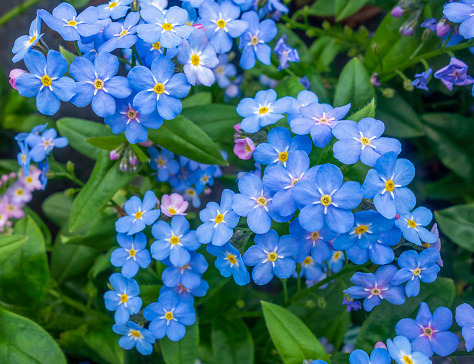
{"x":9,"y":165}
{"x":24,"y":277}
{"x":69,"y":261}
{"x":354,"y":86}
{"x":24,"y":342}
{"x":107,"y":143}
{"x":66,"y":54}
{"x":381,"y":323}
{"x":231,"y":341}
{"x":106,"y":179}
{"x":289,"y":86}
{"x":450,"y":136}
{"x":183,"y":351}
{"x":457,"y":223}
{"x":57,"y":208}
{"x":199,"y":99}
{"x":78,"y":130}
{"x":346,"y":8}
{"x":294,"y":341}
{"x":368,"y":111}
{"x":142,"y":157}
{"x":9,"y":245}
{"x":183,"y":137}
{"x":322,"y":8}
{"x":105,"y":343}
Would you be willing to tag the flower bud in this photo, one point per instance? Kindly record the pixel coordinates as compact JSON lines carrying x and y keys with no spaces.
{"x":407,"y":29}
{"x":397,"y":11}
{"x":114,"y":155}
{"x":443,"y":28}
{"x":407,"y":85}
{"x":198,"y":26}
{"x":124,"y":165}
{"x":380,"y":345}
{"x":133,"y":160}
{"x":12,"y":175}
{"x":388,"y":92}
{"x":70,"y":166}
{"x":14,"y":74}
{"x":147,"y":143}
{"x":427,"y":34}
{"x":5,"y":177}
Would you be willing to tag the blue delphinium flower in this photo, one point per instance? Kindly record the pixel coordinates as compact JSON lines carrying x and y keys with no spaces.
{"x":280,"y":180}
{"x":23,"y":158}
{"x":131,"y":255}
{"x":42,"y":145}
{"x":401,"y":351}
{"x":428,"y":332}
{"x":163,"y":162}
{"x":135,"y":124}
{"x":124,"y":299}
{"x":188,"y":275}
{"x":139,"y":214}
{"x":186,"y":294}
{"x":362,"y":141}
{"x":254,"y":39}
{"x":121,"y":35}
{"x":169,"y":316}
{"x":45,"y":81}
{"x":133,"y":335}
{"x":455,"y":73}
{"x":169,"y":29}
{"x":461,"y":12}
{"x":285,"y":53}
{"x":421,"y":79}
{"x":198,"y":57}
{"x":159,"y":88}
{"x":412,"y":226}
{"x":465,"y":319}
{"x":24,"y":43}
{"x":69,"y":25}
{"x":97,"y":83}
{"x":263,"y":110}
{"x":386,"y":185}
{"x":224,"y":70}
{"x":318,"y":120}
{"x":230,"y":263}
{"x":376,"y":287}
{"x":280,"y":147}
{"x":271,"y":256}
{"x":115,"y":9}
{"x":415,"y":268}
{"x":218,"y":221}
{"x":174,"y":241}
{"x":327,"y":200}
{"x":378,"y":356}
{"x":221,"y":25}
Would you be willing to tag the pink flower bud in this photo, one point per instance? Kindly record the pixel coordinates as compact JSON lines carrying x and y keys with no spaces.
{"x":147,"y":143}
{"x":13,"y":175}
{"x":397,"y":12}
{"x":244,"y":148}
{"x":114,"y":155}
{"x":5,"y":177}
{"x":238,"y":130}
{"x":198,"y":26}
{"x":14,"y":74}
{"x":442,"y":28}
{"x":133,"y":160}
{"x":380,"y":345}
{"x":397,"y":216}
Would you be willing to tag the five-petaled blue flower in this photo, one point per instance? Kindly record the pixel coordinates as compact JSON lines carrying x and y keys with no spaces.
{"x":455,"y":73}
{"x":271,"y":256}
{"x":133,"y":335}
{"x":163,"y":162}
{"x":114,"y":9}
{"x":401,"y":351}
{"x":131,"y":255}
{"x":139,"y":214}
{"x":42,"y":145}
{"x":45,"y":81}
{"x":188,"y":275}
{"x":285,"y":53}
{"x":327,"y":200}
{"x":303,"y":99}
{"x":224,"y":70}
{"x":461,"y":12}
{"x":186,"y":294}
{"x":24,"y":43}
{"x":23,"y":158}
{"x":124,"y":299}
{"x":465,"y":319}
{"x":428,"y":332}
{"x":421,"y":79}
{"x":412,"y":226}
{"x":230,"y":263}
{"x":311,"y":270}
{"x":378,"y":356}
{"x":121,"y":35}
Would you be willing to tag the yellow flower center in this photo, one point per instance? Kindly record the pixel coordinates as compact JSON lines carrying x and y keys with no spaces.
{"x":263,"y":110}
{"x":132,"y":252}
{"x":32,"y":39}
{"x":72,"y":23}
{"x":174,"y":240}
{"x":98,"y":84}
{"x":19,"y":192}
{"x":159,"y":88}
{"x":412,"y":223}
{"x":247,"y":147}
{"x":323,"y":120}
{"x":219,"y":218}
{"x":132,"y":114}
{"x":23,"y":157}
{"x":407,"y":360}
{"x":417,"y":272}
{"x":135,"y":333}
{"x":365,"y":141}
{"x":336,"y":255}
{"x":326,"y":200}
{"x":389,"y":185}
{"x":169,"y":315}
{"x":123,"y":33}
{"x":293,"y":181}
{"x":283,"y":156}
{"x":167,"y":26}
{"x":124,"y":298}
{"x":221,"y":23}
{"x":231,"y":258}
{"x":254,"y":40}
{"x":307,"y":260}
{"x":172,"y":211}
{"x":138,"y":215}
{"x":426,"y":245}
{"x":160,"y":162}
{"x":195,"y":60}
{"x":262,"y":201}
{"x":272,"y":256}
{"x":375,"y":291}
{"x":112,"y":5}
{"x":156,"y":45}
{"x":315,"y":235}
{"x":29,"y":179}
{"x":46,"y":81}
{"x":360,"y":229}
{"x":428,"y":331}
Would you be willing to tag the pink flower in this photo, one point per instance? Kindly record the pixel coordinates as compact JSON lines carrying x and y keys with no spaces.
{"x":238,"y":130}
{"x":397,"y":12}
{"x":19,"y":194}
{"x":32,"y":182}
{"x":198,"y":26}
{"x":244,"y":148}
{"x":380,"y":345}
{"x":147,"y":143}
{"x":14,"y":74}
{"x":114,"y":155}
{"x":10,"y":209}
{"x":173,"y":205}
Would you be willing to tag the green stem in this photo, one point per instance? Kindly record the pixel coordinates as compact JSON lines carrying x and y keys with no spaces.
{"x":134,"y":50}
{"x":77,"y":305}
{"x":298,"y":281}
{"x":79,"y":53}
{"x":453,"y":359}
{"x":285,"y":289}
{"x":124,"y":61}
{"x":17,"y":11}
{"x":417,"y":50}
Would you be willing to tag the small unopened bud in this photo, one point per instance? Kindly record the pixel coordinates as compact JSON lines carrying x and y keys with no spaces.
{"x":133,"y":160}
{"x":147,"y":143}
{"x":380,"y":345}
{"x":407,"y":29}
{"x":207,"y":191}
{"x":376,"y":48}
{"x":322,"y":302}
{"x":14,"y":74}
{"x":124,"y":165}
{"x":388,"y":92}
{"x":427,"y":34}
{"x":114,"y":155}
{"x":70,"y":192}
{"x":443,"y":28}
{"x":70,"y":166}
{"x":407,"y":85}
{"x":397,"y":216}
{"x":12,"y":175}
{"x":397,"y":11}
{"x":132,"y":168}
{"x":326,"y":25}
{"x":198,"y":26}
{"x":5,"y":177}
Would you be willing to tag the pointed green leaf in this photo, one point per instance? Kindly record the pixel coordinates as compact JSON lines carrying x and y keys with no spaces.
{"x":368,"y":111}
{"x":457,"y":223}
{"x":183,"y":351}
{"x":201,"y":98}
{"x":346,"y":8}
{"x":107,"y":143}
{"x":9,"y":245}
{"x":231,"y":341}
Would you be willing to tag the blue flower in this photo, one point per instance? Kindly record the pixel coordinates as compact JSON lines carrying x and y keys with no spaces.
{"x":218,"y":221}
{"x":285,"y":53}
{"x":416,"y":268}
{"x":38,"y":129}
{"x":69,"y":25}
{"x":461,"y":12}
{"x":135,"y":124}
{"x":221,"y":25}
{"x":429,"y":23}
{"x":190,"y":194}
{"x":224,"y":70}
{"x":421,"y":79}
{"x":124,"y":299}
{"x":188,"y":275}
{"x":376,"y":287}
{"x":160,"y":4}
{"x":24,"y":43}
{"x":186,"y":294}
{"x":44,"y":168}
{"x":362,"y":141}
{"x":263,"y":110}
{"x":23,"y":158}
{"x":281,"y":180}
{"x":163,"y":162}
{"x":303,"y":99}
{"x":121,"y":35}
{"x":280,"y":147}
{"x":45,"y":81}
{"x":159,"y":89}
{"x":203,"y":178}
{"x":318,"y":120}
{"x":97,"y":84}
{"x":169,"y":29}
{"x":230,"y":263}
{"x":198,"y":57}
{"x":133,"y":335}
{"x":139,"y":214}
{"x":115,"y":9}
{"x":174,"y":241}
{"x":455,"y":73}
{"x":378,"y":356}
{"x":131,"y":255}
{"x":310,"y":269}
{"x":254,"y":40}
{"x":386,"y":185}
{"x":400,"y":350}
{"x":337,"y":261}
{"x":272,"y":6}
{"x":465,"y":319}
{"x":428,"y":332}
{"x":271,"y":256}
{"x":327,"y":200}
{"x":169,"y":316}
{"x":412,"y":226}
{"x":42,"y":145}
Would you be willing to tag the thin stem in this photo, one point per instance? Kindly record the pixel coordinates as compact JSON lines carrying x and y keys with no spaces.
{"x":285,"y":289}
{"x":77,"y":305}
{"x":79,"y":53}
{"x":134,"y":50}
{"x":298,"y":281}
{"x":417,"y":50}
{"x":124,"y":61}
{"x":453,"y":359}
{"x":17,"y":11}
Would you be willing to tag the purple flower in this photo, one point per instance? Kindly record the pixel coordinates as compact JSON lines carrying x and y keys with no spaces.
{"x":421,"y":79}
{"x":286,"y":53}
{"x":429,"y":23}
{"x":455,"y":73}
{"x":351,"y":304}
